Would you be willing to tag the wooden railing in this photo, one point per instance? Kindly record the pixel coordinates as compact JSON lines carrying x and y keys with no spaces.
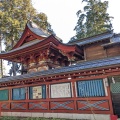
{"x":73,"y":104}
{"x":99,"y":105}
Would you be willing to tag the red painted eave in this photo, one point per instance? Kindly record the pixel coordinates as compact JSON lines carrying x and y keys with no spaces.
{"x":40,"y":44}
{"x":46,"y":43}
{"x":26,"y":32}
{"x":69,"y":48}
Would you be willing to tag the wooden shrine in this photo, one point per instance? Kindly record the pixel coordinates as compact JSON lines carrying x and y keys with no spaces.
{"x":79,"y":77}
{"x":39,"y":51}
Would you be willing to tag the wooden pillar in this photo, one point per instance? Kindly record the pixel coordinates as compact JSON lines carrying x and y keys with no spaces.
{"x":48,"y":95}
{"x":32,"y":64}
{"x":108,"y":93}
{"x":74,"y":93}
{"x":85,"y":55}
{"x":110,"y":100}
{"x":0,"y":108}
{"x":27,"y":93}
{"x":24,"y":65}
{"x":10,"y":96}
{"x":27,"y":96}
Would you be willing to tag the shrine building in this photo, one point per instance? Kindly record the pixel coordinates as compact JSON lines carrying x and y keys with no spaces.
{"x":77,"y":80}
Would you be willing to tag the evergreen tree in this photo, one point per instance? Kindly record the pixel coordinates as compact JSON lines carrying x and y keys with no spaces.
{"x":13,"y":17}
{"x":93,"y":20}
{"x":41,"y":20}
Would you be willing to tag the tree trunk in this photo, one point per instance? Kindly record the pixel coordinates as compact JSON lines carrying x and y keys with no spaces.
{"x":13,"y":63}
{"x":14,"y":68}
{"x":1,"y":62}
{"x":1,"y":67}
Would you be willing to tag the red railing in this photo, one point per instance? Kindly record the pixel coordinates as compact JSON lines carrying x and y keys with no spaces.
{"x":97,"y":105}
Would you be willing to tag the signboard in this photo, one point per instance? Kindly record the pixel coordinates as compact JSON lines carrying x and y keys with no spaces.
{"x":37,"y":92}
{"x":62,"y":90}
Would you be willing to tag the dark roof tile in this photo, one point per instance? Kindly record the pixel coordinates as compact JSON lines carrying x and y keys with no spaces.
{"x":93,"y":39}
{"x":35,"y":29}
{"x":81,"y":66}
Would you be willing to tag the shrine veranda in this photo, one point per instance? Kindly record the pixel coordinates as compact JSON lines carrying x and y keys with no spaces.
{"x":81,"y":77}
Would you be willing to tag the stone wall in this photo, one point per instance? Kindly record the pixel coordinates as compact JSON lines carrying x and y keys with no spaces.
{"x":59,"y":115}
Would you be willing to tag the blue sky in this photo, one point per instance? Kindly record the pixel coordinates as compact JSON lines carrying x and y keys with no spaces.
{"x":62,"y":15}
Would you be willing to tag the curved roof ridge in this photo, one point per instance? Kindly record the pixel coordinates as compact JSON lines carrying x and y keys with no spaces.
{"x":36,"y":29}
{"x":91,"y":39}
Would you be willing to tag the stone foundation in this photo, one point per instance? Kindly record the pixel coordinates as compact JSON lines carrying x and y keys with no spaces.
{"x":59,"y":115}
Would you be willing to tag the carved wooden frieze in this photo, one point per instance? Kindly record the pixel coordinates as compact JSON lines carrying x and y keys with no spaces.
{"x":42,"y":68}
{"x":32,"y":70}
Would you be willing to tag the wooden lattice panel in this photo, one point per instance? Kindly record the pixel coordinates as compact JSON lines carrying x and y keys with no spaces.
{"x":96,"y":105}
{"x":18,"y":105}
{"x":38,"y":106}
{"x":62,"y":105}
{"x":116,"y":103}
{"x":5,"y":106}
{"x":115,"y":88}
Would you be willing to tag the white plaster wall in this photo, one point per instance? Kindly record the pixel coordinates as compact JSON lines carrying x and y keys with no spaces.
{"x":59,"y":115}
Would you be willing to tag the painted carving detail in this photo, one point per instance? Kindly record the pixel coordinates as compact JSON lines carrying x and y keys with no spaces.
{"x":42,"y":68}
{"x":32,"y":70}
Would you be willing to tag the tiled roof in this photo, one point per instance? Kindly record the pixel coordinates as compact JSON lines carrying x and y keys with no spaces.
{"x":113,"y":41}
{"x":35,"y":29}
{"x":92,"y":39}
{"x":23,"y":46}
{"x":81,"y":66}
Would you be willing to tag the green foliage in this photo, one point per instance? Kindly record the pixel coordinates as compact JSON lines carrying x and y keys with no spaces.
{"x":93,"y":20}
{"x":13,"y":17}
{"x":41,"y":20}
{"x":9,"y":118}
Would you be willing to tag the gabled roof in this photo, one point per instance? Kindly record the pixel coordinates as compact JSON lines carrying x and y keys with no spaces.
{"x":35,"y":39}
{"x":79,"y":67}
{"x":115,"y":40}
{"x":31,"y":32}
{"x":35,"y":29}
{"x":95,"y":38}
{"x":37,"y":45}
{"x":28,"y":47}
